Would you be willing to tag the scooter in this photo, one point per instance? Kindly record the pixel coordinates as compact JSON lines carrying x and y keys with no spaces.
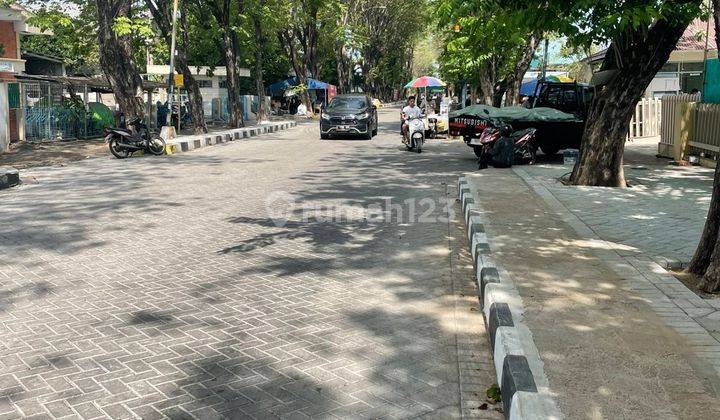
{"x":416,"y":134}
{"x":502,"y":147}
{"x":123,"y":142}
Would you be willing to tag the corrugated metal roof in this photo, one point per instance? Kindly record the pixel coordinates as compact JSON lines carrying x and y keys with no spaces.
{"x":692,"y":40}
{"x":694,"y":37}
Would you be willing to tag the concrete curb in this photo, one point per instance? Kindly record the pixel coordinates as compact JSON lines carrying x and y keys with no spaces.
{"x":187,"y":143}
{"x":503,"y":312}
{"x":9,"y":177}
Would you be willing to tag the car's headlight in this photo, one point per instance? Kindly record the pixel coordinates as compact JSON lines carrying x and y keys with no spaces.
{"x":325,"y":116}
{"x":363,"y":116}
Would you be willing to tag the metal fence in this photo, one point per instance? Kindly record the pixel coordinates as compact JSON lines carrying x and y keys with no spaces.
{"x":52,"y":112}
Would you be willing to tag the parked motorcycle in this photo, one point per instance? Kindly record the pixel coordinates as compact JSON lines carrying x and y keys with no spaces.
{"x":502,"y":147}
{"x":123,"y":142}
{"x":416,"y":134}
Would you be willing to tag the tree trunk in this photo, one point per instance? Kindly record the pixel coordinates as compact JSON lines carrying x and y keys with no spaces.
{"x":706,"y":261}
{"x":486,"y":88}
{"x":221,"y":11}
{"x":233,"y":79}
{"x":341,"y":69}
{"x":162,"y":15}
{"x":287,"y":41}
{"x":498,"y":93}
{"x":705,"y":250}
{"x":341,"y":64}
{"x":474,"y":94}
{"x":488,"y":81}
{"x":196,"y":100}
{"x":636,"y":57}
{"x":262,"y":114}
{"x":116,"y":59}
{"x":514,"y":82}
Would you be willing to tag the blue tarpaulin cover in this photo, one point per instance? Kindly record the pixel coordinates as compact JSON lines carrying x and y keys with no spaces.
{"x":277,"y":89}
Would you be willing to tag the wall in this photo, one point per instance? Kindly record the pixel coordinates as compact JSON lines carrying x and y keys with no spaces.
{"x":4,"y":118}
{"x":8,"y":38}
{"x":670,"y":85}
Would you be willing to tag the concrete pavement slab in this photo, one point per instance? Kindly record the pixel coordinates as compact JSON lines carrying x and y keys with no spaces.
{"x":606,"y":353}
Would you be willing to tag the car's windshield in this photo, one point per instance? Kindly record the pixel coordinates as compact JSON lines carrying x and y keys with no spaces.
{"x":340,"y":103}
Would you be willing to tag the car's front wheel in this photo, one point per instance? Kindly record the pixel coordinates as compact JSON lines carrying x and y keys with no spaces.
{"x":324,"y":136}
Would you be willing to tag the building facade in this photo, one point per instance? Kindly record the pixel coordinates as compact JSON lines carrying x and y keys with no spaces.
{"x":212,"y":82}
{"x":684,"y":71}
{"x":12,"y":25}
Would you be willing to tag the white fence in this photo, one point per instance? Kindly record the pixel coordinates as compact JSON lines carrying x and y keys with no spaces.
{"x":646,"y":120}
{"x":706,"y":128}
{"x":668,"y":111}
{"x":689,"y":127}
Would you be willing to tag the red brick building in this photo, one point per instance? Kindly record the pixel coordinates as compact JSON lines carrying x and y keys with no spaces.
{"x":13,"y":23}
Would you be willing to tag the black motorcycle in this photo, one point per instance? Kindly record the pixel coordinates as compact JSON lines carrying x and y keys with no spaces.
{"x":123,"y":142}
{"x":503,"y":147}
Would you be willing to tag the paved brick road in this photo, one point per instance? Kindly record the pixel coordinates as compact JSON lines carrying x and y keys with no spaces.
{"x":160,"y":287}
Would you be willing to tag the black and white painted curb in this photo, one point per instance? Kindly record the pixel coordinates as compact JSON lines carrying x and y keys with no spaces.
{"x":523,"y":385}
{"x":187,"y":143}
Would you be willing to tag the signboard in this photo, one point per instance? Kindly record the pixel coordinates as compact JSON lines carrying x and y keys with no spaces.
{"x":7,"y":67}
{"x":179,"y":81}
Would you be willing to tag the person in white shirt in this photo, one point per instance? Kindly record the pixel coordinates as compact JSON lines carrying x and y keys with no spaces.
{"x":410,"y":111}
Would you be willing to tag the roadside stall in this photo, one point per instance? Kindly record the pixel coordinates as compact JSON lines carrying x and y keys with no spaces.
{"x":284,"y":91}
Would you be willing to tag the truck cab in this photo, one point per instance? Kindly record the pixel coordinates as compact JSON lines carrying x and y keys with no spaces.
{"x":573,"y":98}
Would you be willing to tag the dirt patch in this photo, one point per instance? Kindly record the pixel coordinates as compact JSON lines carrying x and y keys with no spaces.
{"x":691,"y":281}
{"x":29,"y":155}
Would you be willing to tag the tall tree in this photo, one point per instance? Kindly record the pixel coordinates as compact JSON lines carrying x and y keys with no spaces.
{"x":225,"y":17}
{"x":161,"y":12}
{"x":262,"y":113}
{"x":263,"y":16}
{"x":386,"y":32}
{"x":643,"y":35}
{"x":706,"y":261}
{"x":489,"y":45}
{"x":116,"y":58}
{"x":522,"y":60}
{"x":342,"y":39}
{"x":299,"y":39}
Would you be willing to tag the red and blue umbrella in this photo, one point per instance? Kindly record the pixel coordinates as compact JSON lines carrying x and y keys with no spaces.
{"x":425,"y":82}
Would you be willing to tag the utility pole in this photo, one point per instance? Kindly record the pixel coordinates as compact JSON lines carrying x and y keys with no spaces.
{"x":545,"y":60}
{"x":705,"y":57}
{"x":171,"y":70}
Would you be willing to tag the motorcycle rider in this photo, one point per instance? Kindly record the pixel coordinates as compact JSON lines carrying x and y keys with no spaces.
{"x":410,"y":111}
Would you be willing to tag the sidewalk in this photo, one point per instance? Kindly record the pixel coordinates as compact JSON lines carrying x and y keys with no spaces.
{"x":661,"y":217}
{"x":197,"y":141}
{"x":26,"y":155}
{"x":600,"y":325}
